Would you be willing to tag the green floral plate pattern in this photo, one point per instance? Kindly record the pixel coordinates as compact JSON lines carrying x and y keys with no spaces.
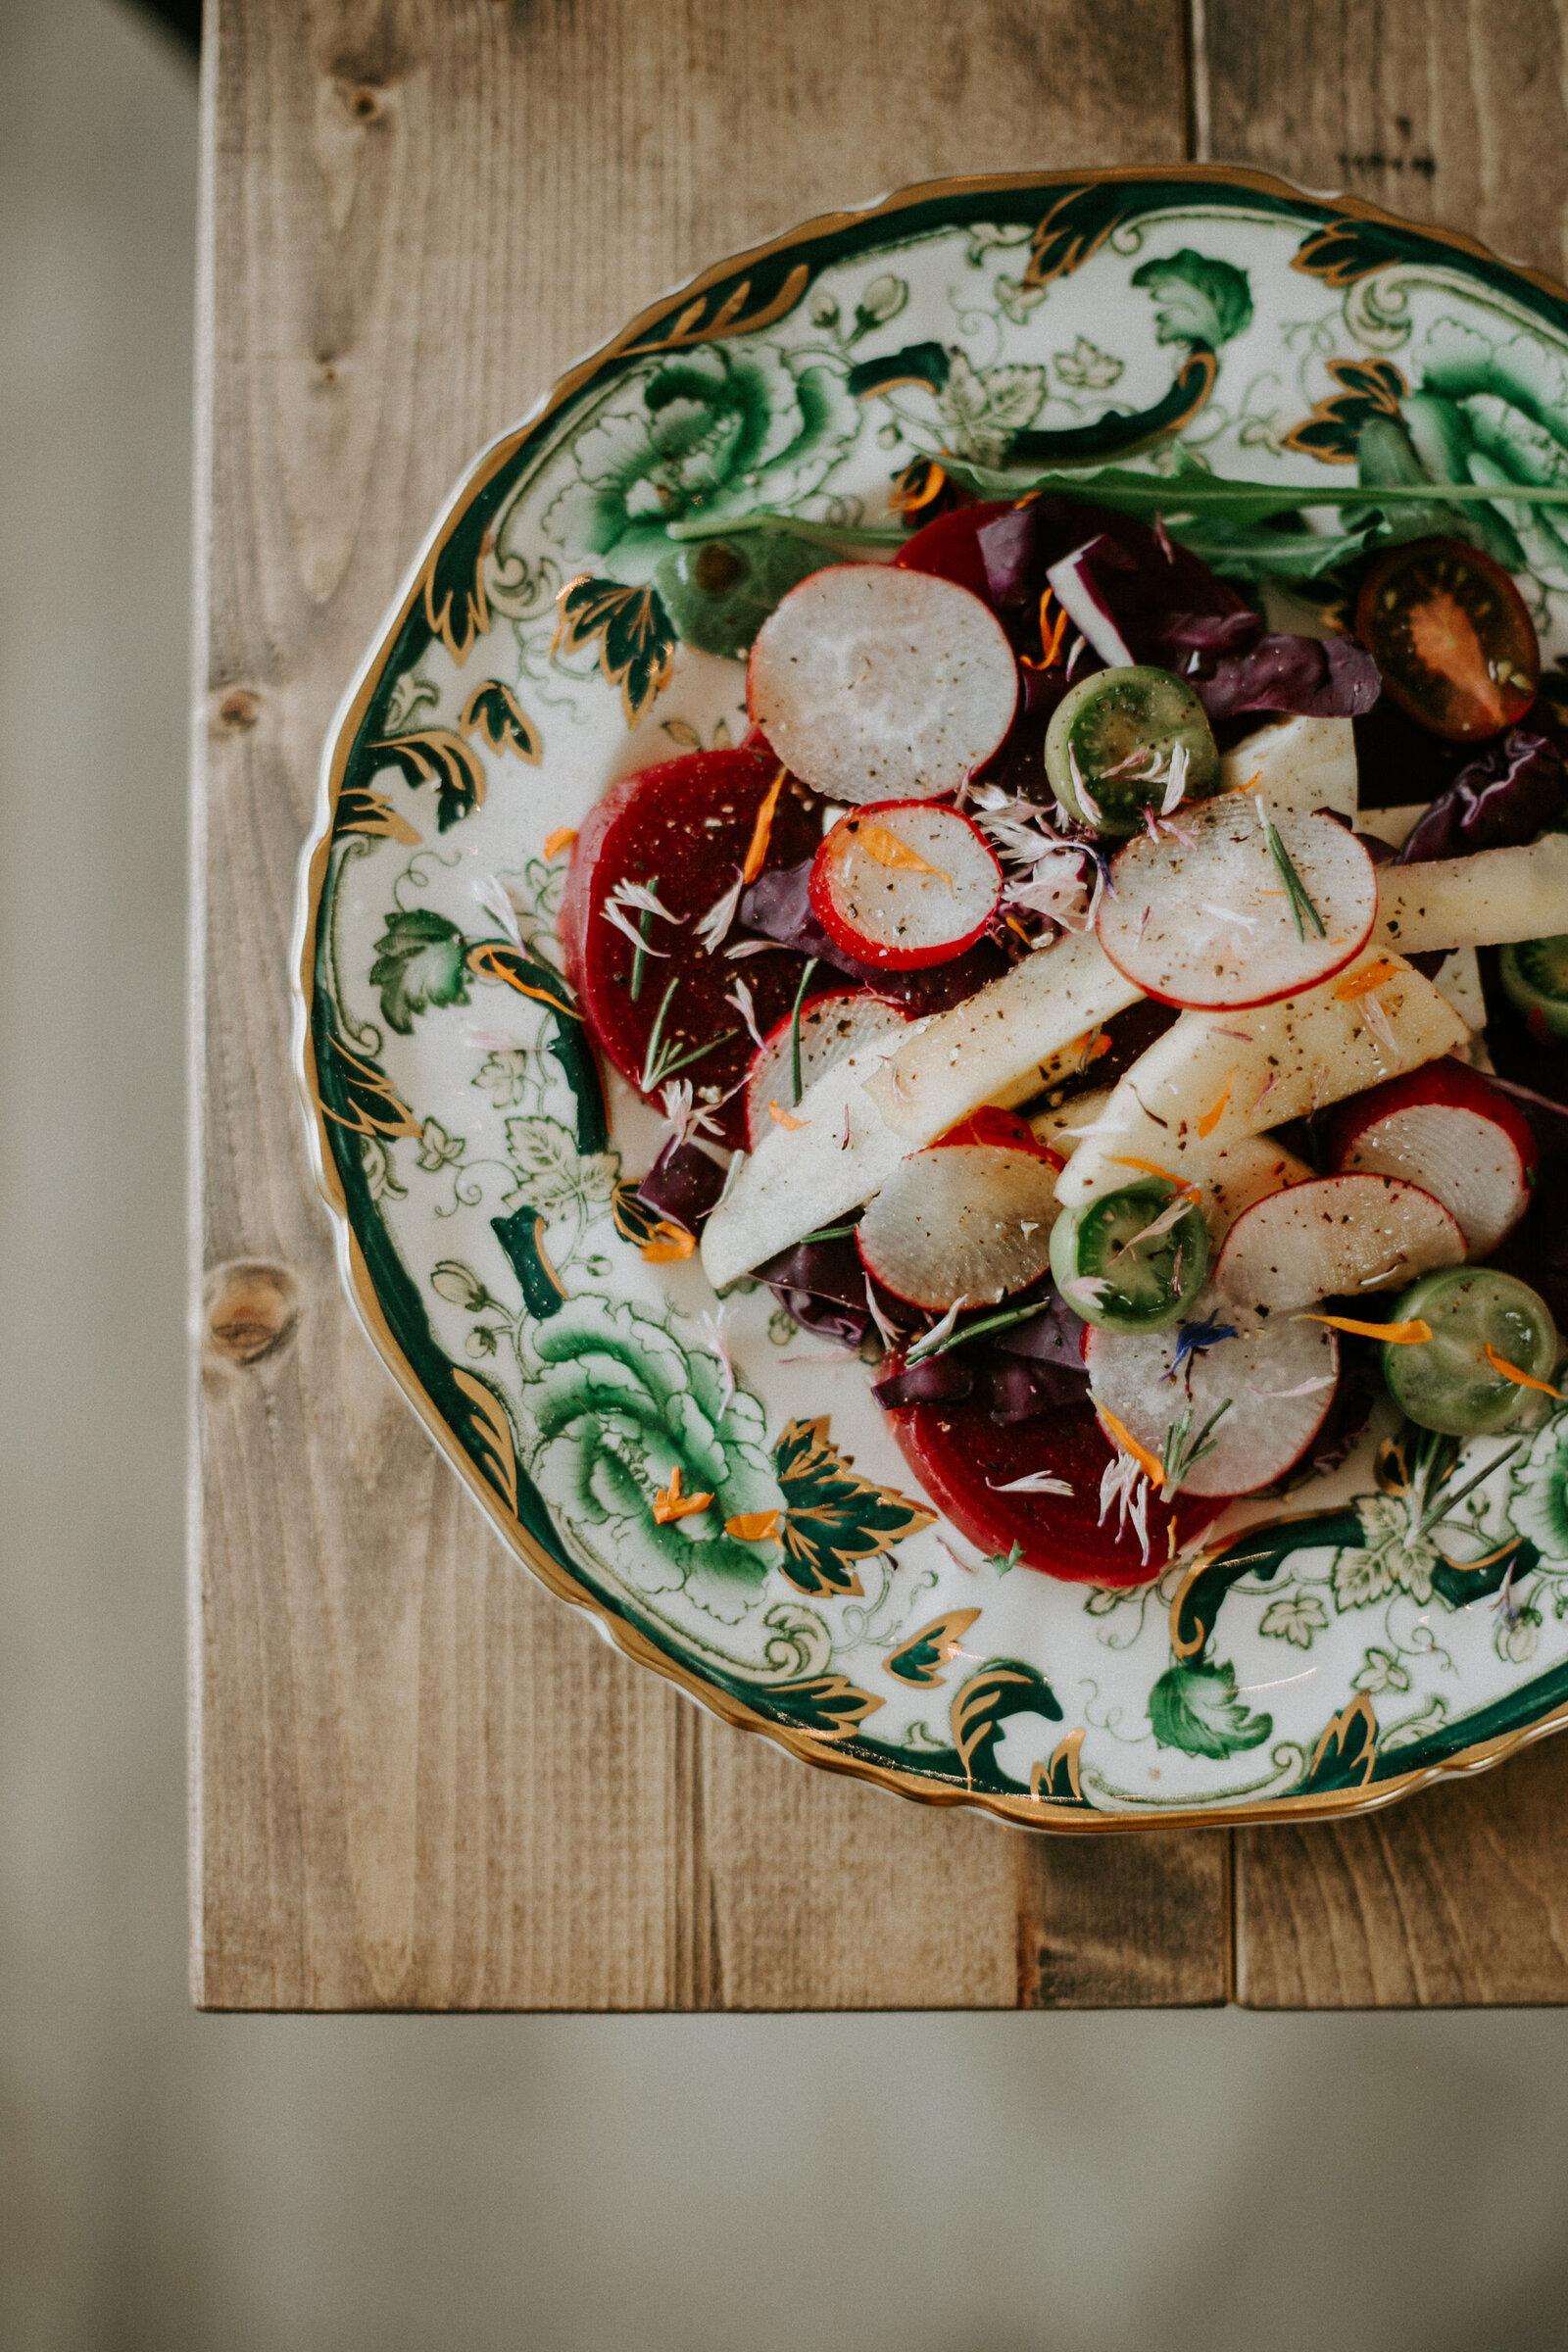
{"x":482,"y":1175}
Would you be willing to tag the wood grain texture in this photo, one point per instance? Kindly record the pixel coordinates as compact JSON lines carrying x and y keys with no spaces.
{"x":417,"y":1781}
{"x":1452,"y":111}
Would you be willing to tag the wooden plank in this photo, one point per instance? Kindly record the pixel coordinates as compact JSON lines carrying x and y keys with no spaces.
{"x":417,"y":1781}
{"x":1100,"y":1926}
{"x":1454,"y":114}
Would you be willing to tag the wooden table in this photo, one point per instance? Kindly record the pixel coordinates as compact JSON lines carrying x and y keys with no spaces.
{"x":419,"y":1782}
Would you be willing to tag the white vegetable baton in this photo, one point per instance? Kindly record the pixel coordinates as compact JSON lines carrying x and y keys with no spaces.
{"x":984,"y":1048}
{"x":1214,"y":1076}
{"x":1298,"y":764}
{"x":1485,"y":901}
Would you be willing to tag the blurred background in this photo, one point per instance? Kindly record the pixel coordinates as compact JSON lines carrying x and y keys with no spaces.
{"x":938,"y":2184}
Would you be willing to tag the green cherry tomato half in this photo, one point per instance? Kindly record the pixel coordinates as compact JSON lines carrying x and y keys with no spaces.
{"x":1452,"y":637}
{"x":1113,"y":1270}
{"x":718,"y":592}
{"x":1450,"y":1382}
{"x":1534,"y":975}
{"x":1110,"y":741}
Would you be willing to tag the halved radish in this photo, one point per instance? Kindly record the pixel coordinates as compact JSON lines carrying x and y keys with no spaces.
{"x":960,"y":1221}
{"x":1446,"y":1130}
{"x":901,"y":885}
{"x":1276,"y":1386}
{"x":1337,"y":1234}
{"x":874,"y":682}
{"x":1228,"y":908}
{"x":832,"y":1025}
{"x":1245,"y":1171}
{"x":979,"y":1473}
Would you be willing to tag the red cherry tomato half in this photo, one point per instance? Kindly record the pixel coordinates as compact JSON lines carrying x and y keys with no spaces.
{"x":1452,"y":637}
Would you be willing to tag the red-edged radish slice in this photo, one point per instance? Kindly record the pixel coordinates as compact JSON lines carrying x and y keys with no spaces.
{"x":832,"y":1025}
{"x":960,"y":1221}
{"x":901,"y":885}
{"x":1207,"y":917}
{"x":1245,"y":1171}
{"x":1333,"y":1236}
{"x":1277,"y":1384}
{"x":971,"y":1468}
{"x":876,"y":683}
{"x":1446,"y":1130}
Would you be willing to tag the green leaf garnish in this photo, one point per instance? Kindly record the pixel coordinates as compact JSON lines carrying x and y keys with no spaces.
{"x":1295,"y":890}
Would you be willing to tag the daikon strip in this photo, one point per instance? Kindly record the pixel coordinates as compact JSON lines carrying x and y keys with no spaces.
{"x":1483,"y":901}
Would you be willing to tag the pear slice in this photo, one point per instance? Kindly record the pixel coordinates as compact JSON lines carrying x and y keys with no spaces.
{"x":1483,"y":901}
{"x":1214,"y":1077}
{"x":1298,"y":764}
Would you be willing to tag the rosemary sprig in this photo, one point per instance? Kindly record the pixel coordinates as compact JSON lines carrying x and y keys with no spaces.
{"x":923,"y":1351}
{"x":1182,"y":1451}
{"x":829,"y":1233}
{"x":639,"y":960}
{"x":1446,"y":1502}
{"x":662,"y":1062}
{"x":795,"y":1030}
{"x":1295,"y":890}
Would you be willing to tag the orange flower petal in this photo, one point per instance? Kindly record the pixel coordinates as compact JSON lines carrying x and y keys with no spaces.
{"x":754,"y":1527}
{"x":1152,"y":1167}
{"x":1216,"y":1109}
{"x":763,"y":831}
{"x":1360,"y":984}
{"x":668,"y":1242}
{"x":783,"y":1118}
{"x":1521,"y":1380}
{"x":1151,"y":1467}
{"x":879,"y":841}
{"x":560,"y":839}
{"x":1397,"y":1335}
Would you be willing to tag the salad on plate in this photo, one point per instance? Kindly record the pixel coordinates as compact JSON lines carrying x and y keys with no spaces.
{"x":1103,"y":993}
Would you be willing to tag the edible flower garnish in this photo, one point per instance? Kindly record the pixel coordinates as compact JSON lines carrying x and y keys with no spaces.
{"x":1360,"y":984}
{"x":1125,"y":1482}
{"x":1194,"y":1338}
{"x":1149,"y":1464}
{"x":754,"y":1527}
{"x":560,"y":839}
{"x":883,"y":845}
{"x":668,"y":1241}
{"x":1152,"y":1167}
{"x":1521,"y":1380}
{"x":1033,"y":1481}
{"x":670,"y":1503}
{"x":1414,"y":1334}
{"x":782,"y":1118}
{"x":763,"y":831}
{"x":740,"y":995}
{"x":1212,"y":1116}
{"x":716,"y":923}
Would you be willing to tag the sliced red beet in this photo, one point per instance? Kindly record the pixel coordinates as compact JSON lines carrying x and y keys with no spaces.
{"x":1003,"y":1128}
{"x":961,"y":1456}
{"x":686,"y":827}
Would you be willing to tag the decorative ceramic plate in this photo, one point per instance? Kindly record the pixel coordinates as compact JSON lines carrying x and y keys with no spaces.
{"x":1336,"y":1655}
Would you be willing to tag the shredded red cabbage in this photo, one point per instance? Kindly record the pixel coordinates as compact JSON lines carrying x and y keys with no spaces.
{"x":1303,"y":675}
{"x":683,"y":1184}
{"x":1501,"y":801}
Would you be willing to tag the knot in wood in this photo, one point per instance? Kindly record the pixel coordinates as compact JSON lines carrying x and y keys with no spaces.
{"x":252,"y":1309}
{"x":239,"y":709}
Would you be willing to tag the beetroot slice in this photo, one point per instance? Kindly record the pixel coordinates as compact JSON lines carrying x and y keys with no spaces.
{"x":960,"y":1455}
{"x":688,"y":823}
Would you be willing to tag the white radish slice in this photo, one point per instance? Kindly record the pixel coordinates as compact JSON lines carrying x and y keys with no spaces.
{"x":901,"y":884}
{"x":875,"y":683}
{"x":967,"y":1221}
{"x":1483,"y":901}
{"x":1446,"y":1130}
{"x":833,"y":1024}
{"x":1333,"y":1236}
{"x":1216,"y":1075}
{"x":1277,"y":1383}
{"x":1299,"y":764}
{"x":1245,"y":1171}
{"x":1200,"y":915}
